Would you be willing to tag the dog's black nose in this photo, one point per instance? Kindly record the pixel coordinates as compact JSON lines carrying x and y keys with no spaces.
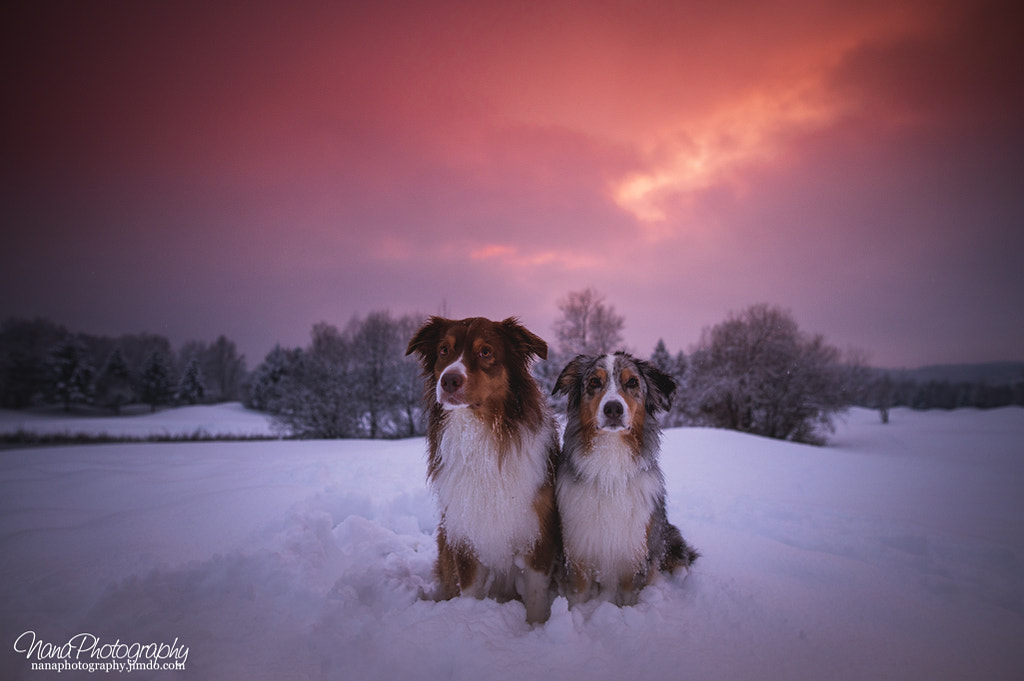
{"x":613,"y":409}
{"x":452,"y":381}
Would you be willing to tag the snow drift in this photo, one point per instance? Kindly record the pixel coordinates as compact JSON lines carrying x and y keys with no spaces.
{"x":894,"y":553}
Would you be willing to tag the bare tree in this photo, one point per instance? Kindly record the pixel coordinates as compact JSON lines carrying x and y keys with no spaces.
{"x":376,"y":343}
{"x":587,"y":325}
{"x":881,"y":395}
{"x":410,"y":383}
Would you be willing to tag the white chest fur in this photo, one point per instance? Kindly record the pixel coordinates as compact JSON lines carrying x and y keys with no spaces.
{"x":487,"y":506}
{"x":605,"y":512}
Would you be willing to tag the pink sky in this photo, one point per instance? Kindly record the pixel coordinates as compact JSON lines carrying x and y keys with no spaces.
{"x":193,"y":170}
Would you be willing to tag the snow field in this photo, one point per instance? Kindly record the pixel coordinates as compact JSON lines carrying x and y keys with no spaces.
{"x":894,"y":553}
{"x":230,"y":419}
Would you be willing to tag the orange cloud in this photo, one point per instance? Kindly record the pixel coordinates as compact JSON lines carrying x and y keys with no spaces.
{"x":742,"y":133}
{"x":695,"y":150}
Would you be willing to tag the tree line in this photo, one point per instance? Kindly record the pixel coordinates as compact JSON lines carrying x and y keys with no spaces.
{"x":43,"y":363}
{"x":886,"y":389}
{"x":758,"y":372}
{"x":754,"y":372}
{"x":350,"y":382}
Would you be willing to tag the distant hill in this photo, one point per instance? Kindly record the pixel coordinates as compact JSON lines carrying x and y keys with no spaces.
{"x":992,"y":373}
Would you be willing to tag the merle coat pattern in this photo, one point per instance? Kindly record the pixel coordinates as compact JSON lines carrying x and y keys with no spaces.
{"x":610,"y":488}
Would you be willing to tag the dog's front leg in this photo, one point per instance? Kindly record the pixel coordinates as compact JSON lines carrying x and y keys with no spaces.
{"x":534,"y":587}
{"x":625,"y":594}
{"x":458,"y":571}
{"x":474,"y":582}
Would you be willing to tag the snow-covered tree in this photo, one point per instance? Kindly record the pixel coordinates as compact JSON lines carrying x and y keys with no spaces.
{"x":25,"y":371}
{"x":269,"y":379}
{"x":757,"y":373}
{"x":352,"y":383}
{"x":71,"y":373}
{"x":317,"y":393}
{"x":880,"y":395}
{"x":410,"y":387}
{"x":665,"y":362}
{"x":379,"y":349}
{"x":114,"y":384}
{"x":155,"y":381}
{"x":191,"y":388}
{"x":224,"y":369}
{"x":676,"y":368}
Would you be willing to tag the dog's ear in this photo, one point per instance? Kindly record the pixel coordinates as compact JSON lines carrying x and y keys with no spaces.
{"x":524,"y":341}
{"x":426,"y":340}
{"x":569,"y":380}
{"x":660,"y":387}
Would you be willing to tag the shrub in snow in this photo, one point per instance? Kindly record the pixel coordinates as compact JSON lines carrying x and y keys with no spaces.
{"x":758,"y":373}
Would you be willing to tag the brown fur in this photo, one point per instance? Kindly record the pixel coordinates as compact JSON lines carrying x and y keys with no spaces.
{"x":547,"y":551}
{"x":498,"y":389}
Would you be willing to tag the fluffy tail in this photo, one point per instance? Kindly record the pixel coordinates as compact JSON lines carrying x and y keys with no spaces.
{"x":677,"y":552}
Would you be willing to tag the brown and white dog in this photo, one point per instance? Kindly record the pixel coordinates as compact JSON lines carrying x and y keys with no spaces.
{"x":610,"y":489}
{"x":493,"y":448}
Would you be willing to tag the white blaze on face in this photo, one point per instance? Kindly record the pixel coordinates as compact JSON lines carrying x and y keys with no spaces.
{"x":613,"y":410}
{"x":451,"y":386}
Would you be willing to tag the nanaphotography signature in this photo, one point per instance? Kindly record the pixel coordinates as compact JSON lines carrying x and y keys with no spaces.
{"x":85,"y":651}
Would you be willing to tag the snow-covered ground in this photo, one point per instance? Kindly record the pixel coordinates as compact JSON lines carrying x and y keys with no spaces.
{"x":897,"y":552}
{"x":231,"y":419}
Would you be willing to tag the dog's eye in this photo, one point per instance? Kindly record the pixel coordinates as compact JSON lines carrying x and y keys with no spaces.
{"x":633,"y":383}
{"x":485,"y":352}
{"x":443,"y":351}
{"x":594,"y":383}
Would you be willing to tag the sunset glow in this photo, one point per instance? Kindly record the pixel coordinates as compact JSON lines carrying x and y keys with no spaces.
{"x":511,"y":256}
{"x":744,"y":134}
{"x":205,"y":169}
